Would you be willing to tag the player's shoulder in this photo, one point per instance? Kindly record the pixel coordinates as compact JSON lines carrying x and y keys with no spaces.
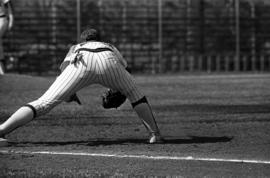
{"x":95,"y":45}
{"x":109,"y":45}
{"x":72,"y":48}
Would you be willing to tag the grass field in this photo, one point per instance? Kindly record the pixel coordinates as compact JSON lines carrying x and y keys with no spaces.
{"x":218,"y":116}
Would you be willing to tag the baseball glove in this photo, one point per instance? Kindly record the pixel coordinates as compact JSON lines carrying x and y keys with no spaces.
{"x":112,"y":99}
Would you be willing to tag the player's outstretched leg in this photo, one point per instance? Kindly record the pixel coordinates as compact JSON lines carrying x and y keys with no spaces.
{"x":64,"y":86}
{"x":18,"y":119}
{"x":144,"y":112}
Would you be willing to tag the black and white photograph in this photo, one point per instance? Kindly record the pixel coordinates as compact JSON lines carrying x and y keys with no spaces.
{"x":134,"y":88}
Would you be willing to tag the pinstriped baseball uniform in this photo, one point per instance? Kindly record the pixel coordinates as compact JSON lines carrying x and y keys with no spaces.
{"x":89,"y":63}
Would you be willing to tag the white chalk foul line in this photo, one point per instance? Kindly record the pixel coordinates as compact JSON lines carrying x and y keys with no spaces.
{"x":184,"y":158}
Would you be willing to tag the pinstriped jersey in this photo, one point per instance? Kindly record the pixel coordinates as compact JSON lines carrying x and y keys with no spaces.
{"x":89,"y":63}
{"x":95,"y":45}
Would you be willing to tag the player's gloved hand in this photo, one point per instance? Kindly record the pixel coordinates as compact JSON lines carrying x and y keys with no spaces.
{"x":112,"y":99}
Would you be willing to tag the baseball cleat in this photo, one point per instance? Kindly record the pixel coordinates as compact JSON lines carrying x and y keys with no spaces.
{"x":3,"y":142}
{"x":155,"y":138}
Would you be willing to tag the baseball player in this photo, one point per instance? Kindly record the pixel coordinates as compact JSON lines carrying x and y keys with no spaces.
{"x":6,"y":23}
{"x":89,"y":62}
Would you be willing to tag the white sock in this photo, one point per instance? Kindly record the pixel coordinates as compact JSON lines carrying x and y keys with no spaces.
{"x":145,"y":114}
{"x":18,"y":119}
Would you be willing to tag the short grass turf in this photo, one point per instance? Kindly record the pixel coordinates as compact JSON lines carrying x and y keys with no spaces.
{"x":224,"y":116}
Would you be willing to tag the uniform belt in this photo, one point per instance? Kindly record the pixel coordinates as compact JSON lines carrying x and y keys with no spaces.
{"x":97,"y":50}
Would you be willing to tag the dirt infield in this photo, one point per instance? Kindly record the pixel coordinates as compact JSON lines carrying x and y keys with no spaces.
{"x":222,"y":117}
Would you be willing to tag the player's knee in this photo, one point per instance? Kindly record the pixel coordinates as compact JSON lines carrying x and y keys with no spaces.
{"x":33,"y":109}
{"x":140,"y":101}
{"x":133,"y":94}
{"x":40,"y":107}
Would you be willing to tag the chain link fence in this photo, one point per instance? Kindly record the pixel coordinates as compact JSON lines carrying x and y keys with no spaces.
{"x":155,"y":36}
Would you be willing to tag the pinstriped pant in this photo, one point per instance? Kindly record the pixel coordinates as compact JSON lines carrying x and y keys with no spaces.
{"x":94,"y":68}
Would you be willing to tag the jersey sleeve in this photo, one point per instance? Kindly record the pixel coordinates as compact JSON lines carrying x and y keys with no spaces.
{"x":70,"y":55}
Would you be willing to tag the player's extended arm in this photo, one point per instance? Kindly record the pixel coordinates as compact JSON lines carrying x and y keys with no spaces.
{"x":69,"y":57}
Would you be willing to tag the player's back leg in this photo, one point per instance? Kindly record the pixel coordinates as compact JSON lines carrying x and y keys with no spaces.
{"x":115,"y":76}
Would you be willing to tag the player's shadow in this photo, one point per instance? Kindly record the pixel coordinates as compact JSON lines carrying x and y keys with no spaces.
{"x":167,"y":140}
{"x":127,"y":141}
{"x":198,"y":140}
{"x":215,"y":108}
